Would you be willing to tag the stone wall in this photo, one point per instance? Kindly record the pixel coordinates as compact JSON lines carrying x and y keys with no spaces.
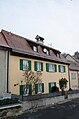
{"x":26,"y":105}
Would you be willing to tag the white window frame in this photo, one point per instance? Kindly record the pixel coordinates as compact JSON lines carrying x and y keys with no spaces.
{"x":62,"y":68}
{"x":25,"y":64}
{"x":26,"y":89}
{"x":38,"y":66}
{"x":73,"y":76}
{"x":51,"y":67}
{"x":34,"y":48}
{"x":39,"y":87}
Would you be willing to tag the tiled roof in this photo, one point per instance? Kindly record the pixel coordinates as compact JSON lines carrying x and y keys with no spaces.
{"x":74,"y":64}
{"x":25,"y":46}
{"x":3,"y":41}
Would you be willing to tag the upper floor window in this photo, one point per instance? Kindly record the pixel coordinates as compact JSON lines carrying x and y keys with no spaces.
{"x":35,"y":49}
{"x":46,"y":51}
{"x":25,"y":64}
{"x":73,"y":75}
{"x":51,"y":67}
{"x":38,"y":66}
{"x":62,"y":68}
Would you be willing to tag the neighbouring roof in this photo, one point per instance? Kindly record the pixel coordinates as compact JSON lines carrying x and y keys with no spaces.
{"x":3,"y":41}
{"x":74,"y":64}
{"x":23,"y":45}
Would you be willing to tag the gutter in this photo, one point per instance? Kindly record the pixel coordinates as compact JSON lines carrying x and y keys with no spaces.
{"x":7,"y":71}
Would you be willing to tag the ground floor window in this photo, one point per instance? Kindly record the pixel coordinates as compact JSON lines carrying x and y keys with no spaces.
{"x":39,"y":88}
{"x":25,"y":89}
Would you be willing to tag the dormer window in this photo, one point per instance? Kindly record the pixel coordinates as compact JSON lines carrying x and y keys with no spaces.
{"x":46,"y":51}
{"x":35,"y":49}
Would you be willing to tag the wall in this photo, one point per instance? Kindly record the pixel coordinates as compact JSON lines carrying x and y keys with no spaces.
{"x":26,"y":105}
{"x":16,"y":75}
{"x":74,"y":82}
{"x":3,"y":71}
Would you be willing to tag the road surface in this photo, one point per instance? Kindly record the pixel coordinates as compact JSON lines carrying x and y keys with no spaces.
{"x":68,"y":110}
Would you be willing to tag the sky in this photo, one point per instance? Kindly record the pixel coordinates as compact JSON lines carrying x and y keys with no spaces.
{"x":57,"y":21}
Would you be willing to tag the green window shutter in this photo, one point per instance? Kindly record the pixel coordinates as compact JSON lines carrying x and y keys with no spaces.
{"x":21,"y":64}
{"x":41,"y":66}
{"x":54,"y":83}
{"x":21,"y":89}
{"x":35,"y":66}
{"x":55,"y":68}
{"x":36,"y":88}
{"x":30,"y":89}
{"x":59,"y":68}
{"x":64,"y":69}
{"x":29,"y":65}
{"x":42,"y":87}
{"x":49,"y":87}
{"x":47,"y":67}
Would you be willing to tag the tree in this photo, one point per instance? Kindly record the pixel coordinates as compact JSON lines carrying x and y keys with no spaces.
{"x":31,"y":78}
{"x":63,"y":84}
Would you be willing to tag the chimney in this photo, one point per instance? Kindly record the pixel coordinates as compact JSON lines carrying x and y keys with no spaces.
{"x":39,"y":39}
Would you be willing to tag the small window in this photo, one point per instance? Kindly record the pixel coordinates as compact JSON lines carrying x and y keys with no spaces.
{"x":38,"y":66}
{"x":35,"y":49}
{"x":73,"y":76}
{"x":25,"y":89}
{"x":39,"y":88}
{"x":51,"y":67}
{"x":62,"y":68}
{"x":25,"y":64}
{"x":46,"y":51}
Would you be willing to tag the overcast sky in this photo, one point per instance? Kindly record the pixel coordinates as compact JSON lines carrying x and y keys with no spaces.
{"x":55,"y":20}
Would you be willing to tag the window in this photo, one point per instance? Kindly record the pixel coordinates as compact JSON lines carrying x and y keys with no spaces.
{"x":46,"y":51}
{"x":35,"y":49}
{"x":39,"y":88}
{"x":38,"y":66}
{"x":25,"y":89}
{"x":51,"y":85}
{"x":62,"y":68}
{"x":73,"y":75}
{"x":25,"y":64}
{"x":51,"y":67}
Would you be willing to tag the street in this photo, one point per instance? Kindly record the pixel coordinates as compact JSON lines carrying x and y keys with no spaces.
{"x":67,"y":110}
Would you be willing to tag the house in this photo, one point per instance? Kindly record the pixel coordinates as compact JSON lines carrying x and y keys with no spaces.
{"x":38,"y":57}
{"x":73,"y":71}
{"x":3,"y":65}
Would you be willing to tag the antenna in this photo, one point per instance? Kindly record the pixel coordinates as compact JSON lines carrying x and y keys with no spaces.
{"x":50,"y":44}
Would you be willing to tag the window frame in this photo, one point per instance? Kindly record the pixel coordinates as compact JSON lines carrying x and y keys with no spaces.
{"x":22,"y":64}
{"x":73,"y":76}
{"x":38,"y":66}
{"x":35,"y":49}
{"x":48,"y":69}
{"x":62,"y":68}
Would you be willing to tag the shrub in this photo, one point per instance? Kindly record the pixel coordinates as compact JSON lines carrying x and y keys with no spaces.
{"x":8,"y":101}
{"x":55,"y":89}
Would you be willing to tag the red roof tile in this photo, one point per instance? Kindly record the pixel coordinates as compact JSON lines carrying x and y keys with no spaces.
{"x":2,"y":41}
{"x":24,"y":45}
